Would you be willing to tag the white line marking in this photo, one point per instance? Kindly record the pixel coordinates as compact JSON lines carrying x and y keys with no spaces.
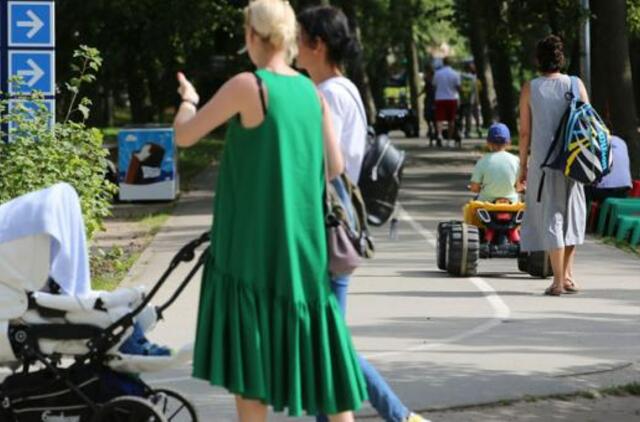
{"x":500,"y":309}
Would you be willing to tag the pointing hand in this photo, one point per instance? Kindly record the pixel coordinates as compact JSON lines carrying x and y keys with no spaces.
{"x":186,"y":90}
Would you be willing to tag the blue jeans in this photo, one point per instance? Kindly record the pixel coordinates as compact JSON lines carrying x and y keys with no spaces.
{"x":381,"y":397}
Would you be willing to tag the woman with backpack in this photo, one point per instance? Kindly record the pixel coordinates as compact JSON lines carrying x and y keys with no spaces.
{"x":324,"y":42}
{"x":555,"y":218}
{"x":269,"y":329}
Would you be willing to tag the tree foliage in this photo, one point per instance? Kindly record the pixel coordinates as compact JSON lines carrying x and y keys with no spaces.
{"x":39,"y":155}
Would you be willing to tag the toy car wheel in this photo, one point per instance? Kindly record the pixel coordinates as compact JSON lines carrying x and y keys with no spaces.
{"x":410,"y":130}
{"x":523,"y":262}
{"x":462,"y":250}
{"x":538,"y":264}
{"x":129,"y":408}
{"x":174,"y":406}
{"x":441,"y":245}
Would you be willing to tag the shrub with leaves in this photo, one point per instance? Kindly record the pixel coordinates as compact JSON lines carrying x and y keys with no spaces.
{"x":34,"y":155}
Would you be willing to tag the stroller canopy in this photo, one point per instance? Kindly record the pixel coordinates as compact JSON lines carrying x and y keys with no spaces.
{"x":55,"y":213}
{"x":24,"y":266}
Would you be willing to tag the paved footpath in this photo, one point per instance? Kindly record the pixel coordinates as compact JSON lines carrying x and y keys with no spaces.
{"x":442,"y":341}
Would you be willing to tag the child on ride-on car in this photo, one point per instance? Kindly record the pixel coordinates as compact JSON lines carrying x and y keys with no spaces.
{"x":494,"y":176}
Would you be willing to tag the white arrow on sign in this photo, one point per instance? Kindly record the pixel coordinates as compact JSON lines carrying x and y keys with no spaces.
{"x":35,"y":24}
{"x":36,"y":73}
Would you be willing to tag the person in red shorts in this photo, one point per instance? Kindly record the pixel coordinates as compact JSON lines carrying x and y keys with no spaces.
{"x":447,"y":85}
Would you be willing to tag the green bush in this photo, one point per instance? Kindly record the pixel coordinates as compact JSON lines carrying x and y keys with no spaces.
{"x":37,"y":155}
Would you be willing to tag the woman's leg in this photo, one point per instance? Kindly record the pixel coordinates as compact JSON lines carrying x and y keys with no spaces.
{"x":342,"y":417}
{"x":250,"y":410}
{"x":381,"y":396}
{"x":556,"y":256}
{"x":569,"y":254}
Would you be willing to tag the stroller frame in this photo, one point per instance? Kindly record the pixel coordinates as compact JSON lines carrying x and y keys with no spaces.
{"x":24,"y":339}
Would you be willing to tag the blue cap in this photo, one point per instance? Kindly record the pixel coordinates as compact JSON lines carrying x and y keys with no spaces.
{"x":499,"y":134}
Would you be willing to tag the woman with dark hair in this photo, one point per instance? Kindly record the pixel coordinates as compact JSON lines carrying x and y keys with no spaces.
{"x":324,"y":43}
{"x":555,"y":219}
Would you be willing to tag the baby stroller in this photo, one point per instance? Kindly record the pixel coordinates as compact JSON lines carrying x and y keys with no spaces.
{"x":64,"y":350}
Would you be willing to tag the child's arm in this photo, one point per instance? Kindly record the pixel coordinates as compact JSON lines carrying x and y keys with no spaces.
{"x":475,"y":185}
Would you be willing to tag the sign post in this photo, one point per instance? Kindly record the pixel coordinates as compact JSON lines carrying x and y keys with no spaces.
{"x":27,"y":50}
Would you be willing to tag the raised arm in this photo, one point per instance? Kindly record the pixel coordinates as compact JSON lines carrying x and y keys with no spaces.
{"x":191,"y":124}
{"x":525,"y":134}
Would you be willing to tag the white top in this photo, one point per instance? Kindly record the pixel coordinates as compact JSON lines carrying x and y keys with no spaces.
{"x":447,"y":82}
{"x":349,"y":121}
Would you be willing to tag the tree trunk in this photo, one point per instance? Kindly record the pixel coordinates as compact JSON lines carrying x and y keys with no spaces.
{"x":612,"y":84}
{"x":634,"y":51}
{"x":413,"y":72}
{"x":137,"y":96}
{"x":356,"y":68}
{"x":478,"y":41}
{"x":500,"y":57}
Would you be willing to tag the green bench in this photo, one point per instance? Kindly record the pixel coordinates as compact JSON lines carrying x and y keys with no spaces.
{"x":628,"y":225}
{"x":611,"y":209}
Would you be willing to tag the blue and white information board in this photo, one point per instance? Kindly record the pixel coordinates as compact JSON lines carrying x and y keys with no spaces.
{"x":35,"y":68}
{"x":31,"y":24}
{"x":27,"y":47}
{"x":147,"y":164}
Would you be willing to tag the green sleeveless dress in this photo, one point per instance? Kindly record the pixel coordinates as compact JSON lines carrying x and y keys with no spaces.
{"x":268,"y":326}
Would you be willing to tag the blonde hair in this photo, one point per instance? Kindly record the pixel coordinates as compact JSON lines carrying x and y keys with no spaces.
{"x":275,"y":23}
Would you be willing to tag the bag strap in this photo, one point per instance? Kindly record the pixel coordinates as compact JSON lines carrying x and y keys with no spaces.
{"x":359,"y":104}
{"x":575,"y":90}
{"x":261,"y":91}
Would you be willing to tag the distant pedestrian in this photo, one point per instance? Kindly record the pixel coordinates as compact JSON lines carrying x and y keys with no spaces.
{"x":269,"y":329}
{"x":325,"y":42}
{"x":469,"y":103}
{"x":429,"y":109}
{"x":616,"y":184}
{"x":555,"y":218}
{"x":447,"y":87}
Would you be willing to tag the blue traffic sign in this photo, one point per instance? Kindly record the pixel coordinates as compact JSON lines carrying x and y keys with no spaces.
{"x":31,"y":24}
{"x":35,"y":68}
{"x":30,"y":110}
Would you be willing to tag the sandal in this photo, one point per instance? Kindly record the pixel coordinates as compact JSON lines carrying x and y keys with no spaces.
{"x":570,"y":288}
{"x":554,"y":291}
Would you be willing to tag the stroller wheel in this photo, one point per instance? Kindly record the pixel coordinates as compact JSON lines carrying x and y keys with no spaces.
{"x":129,"y":408}
{"x":173,"y":405}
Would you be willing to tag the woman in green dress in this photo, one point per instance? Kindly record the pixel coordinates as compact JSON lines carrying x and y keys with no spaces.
{"x":269,"y":330}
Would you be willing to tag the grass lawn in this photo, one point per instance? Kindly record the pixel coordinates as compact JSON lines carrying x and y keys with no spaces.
{"x":110,"y":263}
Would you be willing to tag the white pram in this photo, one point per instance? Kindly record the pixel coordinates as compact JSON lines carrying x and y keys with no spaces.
{"x":74,"y":342}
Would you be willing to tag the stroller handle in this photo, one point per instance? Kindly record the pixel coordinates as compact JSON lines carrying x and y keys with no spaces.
{"x":112,"y":334}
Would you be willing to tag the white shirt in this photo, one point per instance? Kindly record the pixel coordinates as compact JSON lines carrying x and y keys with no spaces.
{"x":349,"y":121}
{"x":447,"y":82}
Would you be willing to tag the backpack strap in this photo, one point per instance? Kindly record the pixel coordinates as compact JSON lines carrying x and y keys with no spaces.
{"x":261,"y":91}
{"x":575,"y":90}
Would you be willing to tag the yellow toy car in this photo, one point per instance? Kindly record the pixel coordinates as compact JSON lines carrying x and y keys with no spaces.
{"x":489,"y":230}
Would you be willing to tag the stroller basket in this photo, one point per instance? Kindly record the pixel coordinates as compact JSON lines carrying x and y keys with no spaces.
{"x":43,"y":395}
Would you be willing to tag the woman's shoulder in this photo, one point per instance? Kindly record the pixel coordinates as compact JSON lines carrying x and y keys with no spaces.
{"x":339,"y":90}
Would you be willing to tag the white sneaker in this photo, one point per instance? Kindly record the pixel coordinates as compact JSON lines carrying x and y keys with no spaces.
{"x":414,"y":417}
